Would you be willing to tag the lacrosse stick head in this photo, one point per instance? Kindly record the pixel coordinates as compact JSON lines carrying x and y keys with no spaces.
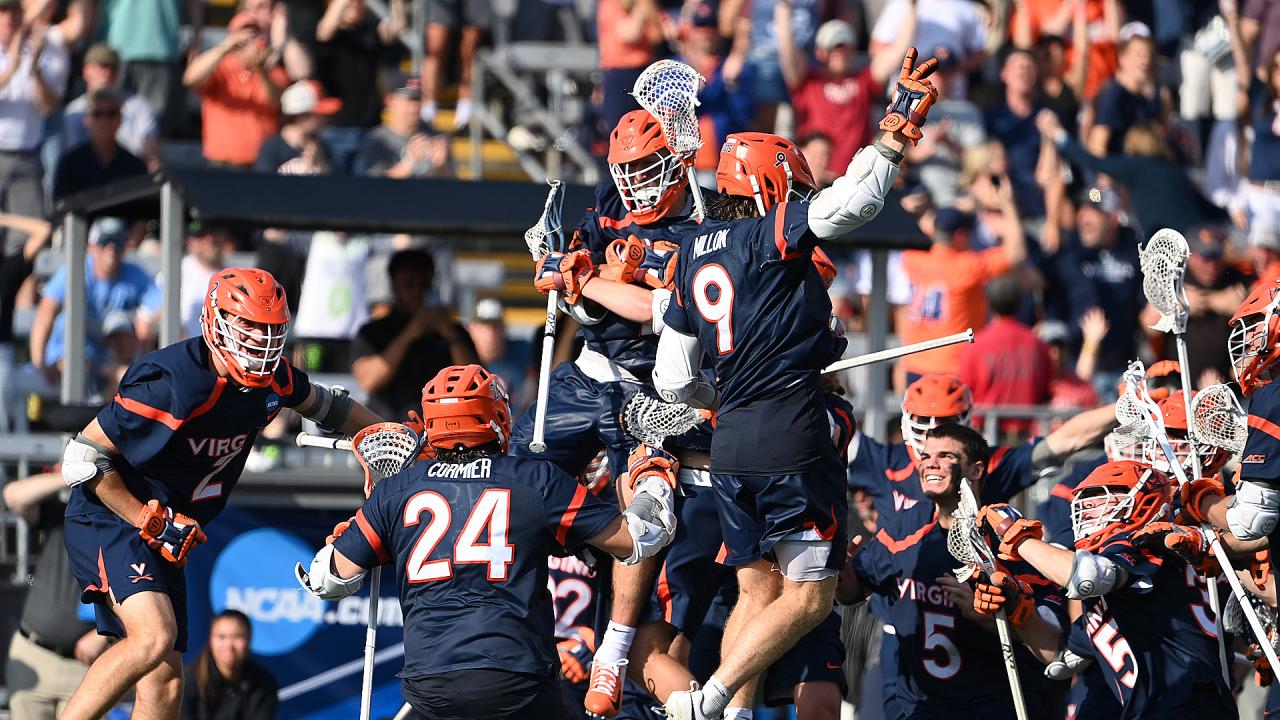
{"x":649,"y":419}
{"x":1219,"y":420}
{"x":597,"y":475}
{"x":931,"y":401}
{"x":648,"y":172}
{"x":1117,"y":497}
{"x":1254,"y":342}
{"x":769,"y":168}
{"x":1147,"y":450}
{"x":1234,"y":621}
{"x":384,"y":449}
{"x":668,"y":90}
{"x":464,"y":406}
{"x":547,"y":235}
{"x":1138,"y":417}
{"x":1164,"y":264}
{"x":965,"y":541}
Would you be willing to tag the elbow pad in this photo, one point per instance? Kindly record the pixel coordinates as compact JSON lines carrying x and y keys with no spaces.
{"x":330,"y":409}
{"x":855,"y":197}
{"x":1066,"y":665}
{"x":658,"y":308}
{"x":1254,"y":510}
{"x":83,"y":460}
{"x":1092,"y":576}
{"x":581,"y":312}
{"x":650,"y":518}
{"x":322,"y":581}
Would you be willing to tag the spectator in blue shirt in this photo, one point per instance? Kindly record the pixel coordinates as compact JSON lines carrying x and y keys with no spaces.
{"x":1013,"y":123}
{"x":122,"y":303}
{"x":1097,"y":267}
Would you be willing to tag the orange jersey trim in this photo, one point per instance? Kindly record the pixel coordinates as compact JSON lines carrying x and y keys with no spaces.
{"x":148,"y":412}
{"x":566,"y":520}
{"x":218,"y":387}
{"x":1062,"y":491}
{"x":897,"y":546}
{"x":371,"y":536}
{"x":287,"y":389}
{"x":615,"y":224}
{"x":900,"y":474}
{"x":664,"y":594}
{"x":1265,"y":426}
{"x":779,"y":234}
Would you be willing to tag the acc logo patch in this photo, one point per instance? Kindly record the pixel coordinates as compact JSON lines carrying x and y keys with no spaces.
{"x":1255,"y":458}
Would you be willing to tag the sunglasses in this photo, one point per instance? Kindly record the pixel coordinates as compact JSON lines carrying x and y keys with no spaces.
{"x":105,"y":114}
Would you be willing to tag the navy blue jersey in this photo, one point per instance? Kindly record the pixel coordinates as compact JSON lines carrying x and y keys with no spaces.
{"x":1155,"y":637}
{"x":1055,"y":512}
{"x":1091,"y":698}
{"x":574,"y":587}
{"x":943,"y":658}
{"x":629,"y":344}
{"x":470,"y":543}
{"x":184,"y":432}
{"x":1261,"y":457}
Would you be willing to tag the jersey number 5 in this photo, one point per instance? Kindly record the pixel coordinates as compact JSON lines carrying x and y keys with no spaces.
{"x":718,"y":311}
{"x":492,"y":510}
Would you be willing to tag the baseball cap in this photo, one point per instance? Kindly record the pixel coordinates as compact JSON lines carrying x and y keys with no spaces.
{"x":1100,"y":198}
{"x":1206,"y":241}
{"x":1053,"y":331}
{"x":411,"y":88}
{"x":306,"y":96}
{"x":107,"y":231}
{"x":950,"y":220}
{"x":117,"y":321}
{"x":101,"y":54}
{"x":489,"y":310}
{"x":1134,"y":29}
{"x":833,"y":33}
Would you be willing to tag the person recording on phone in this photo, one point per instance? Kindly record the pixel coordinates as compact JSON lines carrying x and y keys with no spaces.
{"x":394,"y":356}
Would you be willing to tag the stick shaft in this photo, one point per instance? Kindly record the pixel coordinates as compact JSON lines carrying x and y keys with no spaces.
{"x":893,"y":353}
{"x":1011,"y":666}
{"x":538,"y":443}
{"x":325,"y":443}
{"x":370,"y":643}
{"x":698,"y":207}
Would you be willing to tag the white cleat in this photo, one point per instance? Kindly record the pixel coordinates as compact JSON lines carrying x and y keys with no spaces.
{"x":683,"y":705}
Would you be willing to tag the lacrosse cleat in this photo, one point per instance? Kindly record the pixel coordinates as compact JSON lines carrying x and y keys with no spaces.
{"x":604,"y":693}
{"x":683,"y":705}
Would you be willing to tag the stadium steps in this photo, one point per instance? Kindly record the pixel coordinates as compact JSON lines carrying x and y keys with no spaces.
{"x":499,"y":159}
{"x":523,"y":306}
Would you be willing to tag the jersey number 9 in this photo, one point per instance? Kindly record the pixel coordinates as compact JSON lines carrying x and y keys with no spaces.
{"x":719,"y":311}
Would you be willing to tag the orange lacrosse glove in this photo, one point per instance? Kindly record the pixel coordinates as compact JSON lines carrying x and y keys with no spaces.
{"x":1007,"y":524}
{"x":575,"y":653}
{"x":912,"y":98}
{"x":566,"y":273}
{"x":636,"y":262}
{"x":1194,"y":493}
{"x":1006,"y":592}
{"x":339,"y":529}
{"x":171,"y":534}
{"x":1187,"y":542}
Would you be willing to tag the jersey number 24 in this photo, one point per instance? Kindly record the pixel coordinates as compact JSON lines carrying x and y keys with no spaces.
{"x":492,"y":510}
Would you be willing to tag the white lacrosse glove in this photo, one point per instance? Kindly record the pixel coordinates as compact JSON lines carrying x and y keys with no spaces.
{"x":651,"y":517}
{"x":1253,"y":510}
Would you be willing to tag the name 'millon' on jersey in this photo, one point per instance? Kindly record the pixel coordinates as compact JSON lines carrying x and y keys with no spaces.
{"x":183,"y":432}
{"x":1155,"y":639}
{"x":629,"y":344}
{"x":944,"y":659}
{"x":470,"y":543}
{"x":748,"y":290}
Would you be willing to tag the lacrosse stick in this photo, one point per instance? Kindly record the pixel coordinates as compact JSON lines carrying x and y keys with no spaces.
{"x":546,"y":236}
{"x":1219,"y":420}
{"x":1140,"y":419}
{"x":383,"y":450}
{"x":1164,"y":265}
{"x":966,"y":544}
{"x":668,"y":90}
{"x":650,"y":419}
{"x":323,"y":442}
{"x":892,"y":353}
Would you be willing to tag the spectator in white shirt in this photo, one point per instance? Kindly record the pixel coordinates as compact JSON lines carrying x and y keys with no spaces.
{"x":206,"y":250}
{"x":33,"y":71}
{"x":954,"y":24}
{"x":139,"y":131}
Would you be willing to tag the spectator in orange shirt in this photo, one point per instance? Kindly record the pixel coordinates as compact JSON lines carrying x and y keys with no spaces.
{"x":947,"y":282}
{"x":240,"y":96}
{"x":1090,"y":27}
{"x":627,"y":31}
{"x":1006,"y":364}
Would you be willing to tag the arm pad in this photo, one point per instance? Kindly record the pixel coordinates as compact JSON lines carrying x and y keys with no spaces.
{"x":661,"y":298}
{"x":322,"y":581}
{"x":855,"y":197}
{"x":1254,"y":510}
{"x":84,"y":460}
{"x":675,"y":370}
{"x":1093,"y":576}
{"x":330,"y":408}
{"x":582,"y":310}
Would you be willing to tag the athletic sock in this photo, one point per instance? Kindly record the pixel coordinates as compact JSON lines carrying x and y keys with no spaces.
{"x":715,"y":697}
{"x":616,"y":643}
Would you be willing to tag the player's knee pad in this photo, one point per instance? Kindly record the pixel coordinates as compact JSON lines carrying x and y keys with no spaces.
{"x":1092,"y":576}
{"x":855,"y":197}
{"x":804,"y":560}
{"x":84,"y":460}
{"x":1253,"y":511}
{"x":322,"y":581}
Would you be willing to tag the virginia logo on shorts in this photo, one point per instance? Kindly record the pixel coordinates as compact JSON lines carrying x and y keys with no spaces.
{"x":142,"y":574}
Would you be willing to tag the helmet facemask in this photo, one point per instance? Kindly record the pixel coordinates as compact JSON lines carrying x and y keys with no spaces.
{"x":646,"y":183}
{"x":916,"y":427}
{"x":1248,"y":347}
{"x":255,"y":348}
{"x":1101,"y":508}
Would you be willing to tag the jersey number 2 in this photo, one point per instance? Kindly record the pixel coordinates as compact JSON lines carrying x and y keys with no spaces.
{"x":720,"y":310}
{"x":492,"y":510}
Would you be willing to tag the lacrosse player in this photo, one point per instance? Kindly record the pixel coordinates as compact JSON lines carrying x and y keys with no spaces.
{"x":1145,"y":600}
{"x":948,"y":660}
{"x":746,"y":296}
{"x":471,"y":530}
{"x":158,"y":463}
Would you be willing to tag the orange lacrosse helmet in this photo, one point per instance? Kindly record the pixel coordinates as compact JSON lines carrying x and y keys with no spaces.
{"x":649,"y":175}
{"x":769,"y":168}
{"x":1119,"y":496}
{"x":464,"y":406}
{"x":1254,"y":343}
{"x":244,"y":321}
{"x":826,"y":269}
{"x":932,"y":400}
